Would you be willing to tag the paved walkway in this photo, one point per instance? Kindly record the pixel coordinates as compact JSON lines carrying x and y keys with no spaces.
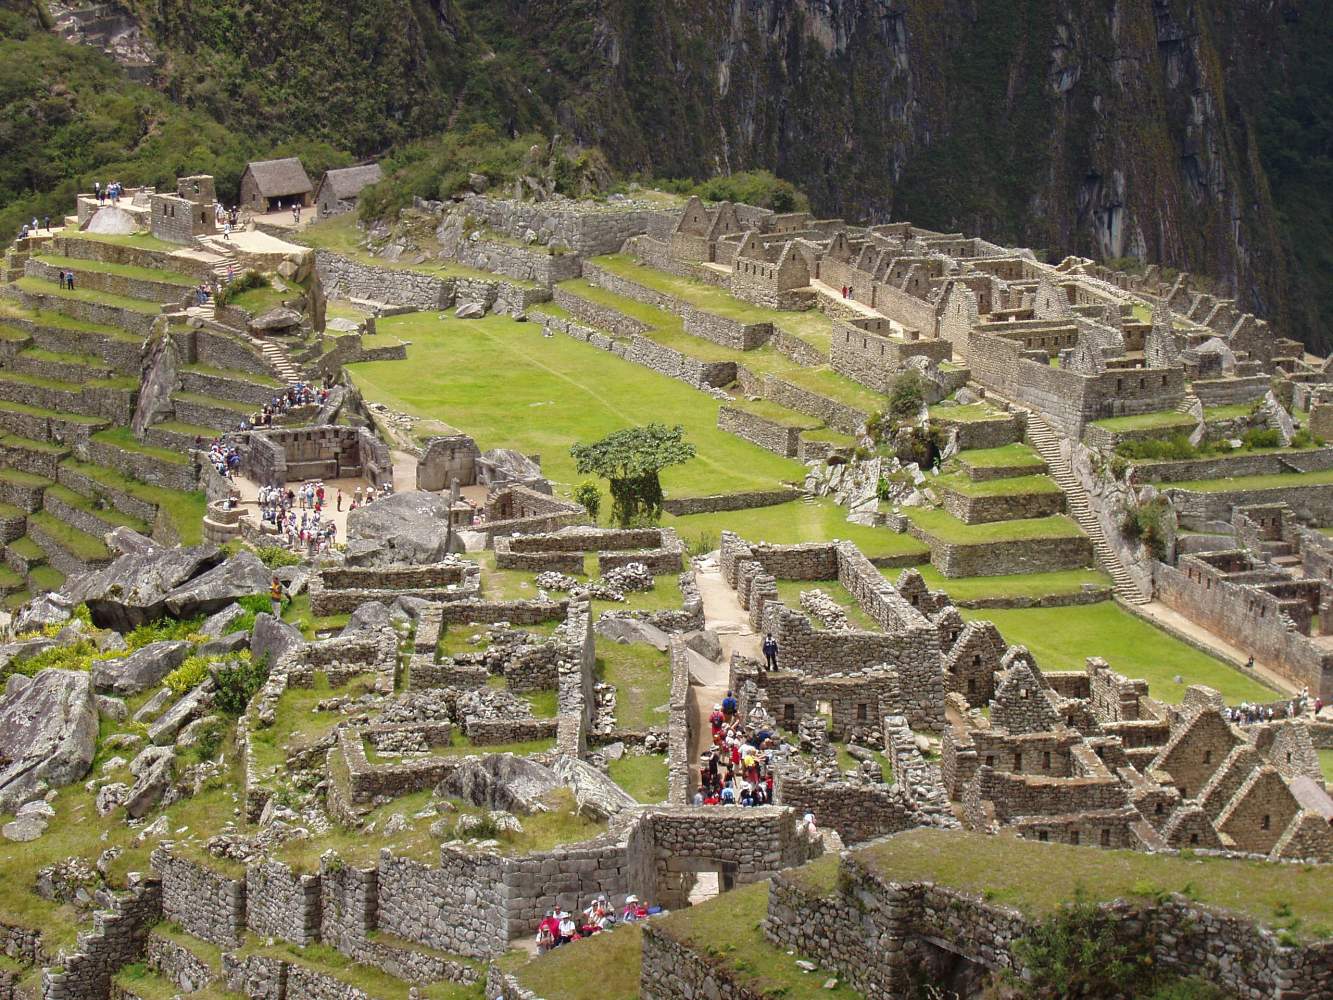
{"x":1174,"y":621}
{"x":829,"y":292}
{"x":708,"y":681}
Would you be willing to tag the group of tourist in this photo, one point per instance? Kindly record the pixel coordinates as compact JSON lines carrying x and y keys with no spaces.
{"x":202,"y":293}
{"x":561,"y":927}
{"x":67,"y":280}
{"x":1249,"y":714}
{"x":109,"y":194}
{"x":738,"y":769}
{"x":299,"y":394}
{"x":223,"y":456}
{"x":298,"y":516}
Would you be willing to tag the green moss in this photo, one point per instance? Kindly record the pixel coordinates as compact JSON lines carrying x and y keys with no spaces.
{"x":1278,"y":481}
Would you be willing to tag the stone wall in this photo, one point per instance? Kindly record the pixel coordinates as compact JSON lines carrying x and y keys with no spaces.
{"x":1313,"y":503}
{"x":781,"y":439}
{"x":83,"y":248}
{"x":876,"y":361}
{"x":1003,"y":558}
{"x":584,"y":229}
{"x":147,"y":289}
{"x":118,"y":937}
{"x":680,"y":506}
{"x":858,"y":811}
{"x":344,"y":278}
{"x":972,"y":509}
{"x":670,"y":971}
{"x":457,"y":906}
{"x":525,"y":263}
{"x":205,"y":903}
{"x":282,"y":903}
{"x":1227,"y":466}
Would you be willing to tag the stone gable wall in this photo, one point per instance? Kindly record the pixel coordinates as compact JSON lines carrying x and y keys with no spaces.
{"x":205,"y":903}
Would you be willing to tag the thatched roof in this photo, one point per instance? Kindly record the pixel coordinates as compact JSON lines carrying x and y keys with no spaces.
{"x":280,"y":178}
{"x":347,"y":182}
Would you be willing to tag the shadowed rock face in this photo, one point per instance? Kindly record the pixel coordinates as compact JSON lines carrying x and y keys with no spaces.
{"x":404,"y":528}
{"x":48,"y":732}
{"x":501,"y":782}
{"x":134,"y":588}
{"x":241,"y":575}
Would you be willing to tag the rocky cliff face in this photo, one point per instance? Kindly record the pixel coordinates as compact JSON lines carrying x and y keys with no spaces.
{"x":1154,"y":129}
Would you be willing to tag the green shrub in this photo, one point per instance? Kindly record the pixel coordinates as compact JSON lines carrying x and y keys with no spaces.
{"x":1262,"y":437}
{"x":589,"y":497}
{"x":753,"y":187}
{"x":245,"y":281}
{"x":208,"y":741}
{"x":1146,"y":524}
{"x":1174,"y":448}
{"x":1075,"y":953}
{"x":189,"y":675}
{"x":1304,"y":439}
{"x":162,"y":630}
{"x":252,"y":605}
{"x":907,"y":395}
{"x":275,"y":556}
{"x":77,"y":655}
{"x":236,"y":682}
{"x":702,"y":543}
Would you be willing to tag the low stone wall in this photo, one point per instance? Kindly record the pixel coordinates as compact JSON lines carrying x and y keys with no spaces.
{"x":770,"y":435}
{"x":131,"y":320}
{"x":118,"y":937}
{"x":680,"y":768}
{"x":1003,"y":558}
{"x":83,"y":248}
{"x":526,"y":263}
{"x":344,"y":589}
{"x":108,"y":402}
{"x":837,"y":415}
{"x":282,"y":903}
{"x":177,"y":963}
{"x":681,"y":506}
{"x":683,"y":367}
{"x":856,"y":810}
{"x":223,"y":387}
{"x":492,"y":732}
{"x":1313,"y":503}
{"x":344,"y":278}
{"x":223,"y":350}
{"x":1011,"y":507}
{"x":670,"y":971}
{"x":34,"y":461}
{"x":145,"y":468}
{"x":1230,"y":391}
{"x":603,"y":317}
{"x":205,"y":903}
{"x":457,"y":906}
{"x":978,"y":434}
{"x":1228,"y":466}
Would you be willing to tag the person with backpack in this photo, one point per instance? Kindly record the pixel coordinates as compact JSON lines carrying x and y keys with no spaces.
{"x":729,"y":707}
{"x":770,"y":652}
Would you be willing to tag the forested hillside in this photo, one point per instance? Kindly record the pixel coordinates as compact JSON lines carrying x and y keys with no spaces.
{"x":1196,"y":133}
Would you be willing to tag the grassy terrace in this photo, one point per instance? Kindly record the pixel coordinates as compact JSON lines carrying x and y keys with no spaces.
{"x":1233,"y":412}
{"x":642,"y":677}
{"x":260,"y":300}
{"x":77,"y":543}
{"x":28,"y":444}
{"x":604,"y":967}
{"x":1037,"y":878}
{"x":244,"y":409}
{"x":340,"y":235}
{"x":1283,"y":480}
{"x":1008,"y":487}
{"x":507,"y":385}
{"x":642,"y":775}
{"x":1063,"y":639}
{"x":120,"y":270}
{"x":811,"y":326}
{"x":186,"y":510}
{"x":971,"y":414}
{"x":58,"y":320}
{"x":789,"y":592}
{"x":38,"y":411}
{"x":1159,"y":420}
{"x":790,"y":523}
{"x":1009,"y":456}
{"x":123,"y":438}
{"x":40,"y":287}
{"x":667,"y":329}
{"x":84,"y":360}
{"x":727,"y":932}
{"x":943,"y":525}
{"x":108,"y":515}
{"x":233,"y":373}
{"x":777,"y":413}
{"x":1326,"y":762}
{"x":1019,"y":585}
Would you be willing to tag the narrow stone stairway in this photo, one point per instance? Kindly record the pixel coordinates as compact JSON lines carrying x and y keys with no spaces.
{"x":279,"y":360}
{"x":1046,"y":442}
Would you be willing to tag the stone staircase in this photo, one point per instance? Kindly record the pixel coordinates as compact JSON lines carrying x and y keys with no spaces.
{"x":1046,"y":442}
{"x":278,"y":359}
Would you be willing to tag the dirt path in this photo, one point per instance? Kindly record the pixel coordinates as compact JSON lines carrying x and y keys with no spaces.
{"x":708,"y":681}
{"x":1171,"y":620}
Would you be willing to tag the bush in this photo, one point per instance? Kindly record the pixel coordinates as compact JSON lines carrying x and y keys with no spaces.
{"x":163,"y":630}
{"x":236,"y":682}
{"x":252,"y":605}
{"x":1174,"y":448}
{"x":275,"y":556}
{"x":243,"y":282}
{"x":189,"y":675}
{"x":907,"y":395}
{"x":1262,"y":437}
{"x":589,"y":497}
{"x":1304,"y":439}
{"x":1075,"y":953}
{"x":1146,"y":524}
{"x":752,"y":187}
{"x":208,"y":741}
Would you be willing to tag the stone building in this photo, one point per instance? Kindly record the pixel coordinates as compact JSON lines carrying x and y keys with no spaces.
{"x":272,"y":185}
{"x":338,"y":190}
{"x":187,"y":214}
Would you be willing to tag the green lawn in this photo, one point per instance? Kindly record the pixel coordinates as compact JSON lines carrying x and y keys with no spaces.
{"x":509,"y":386}
{"x":776,"y":413}
{"x":77,"y":543}
{"x":1063,"y":639}
{"x":1232,"y":412}
{"x":1161,"y":419}
{"x":1326,"y":762}
{"x":58,"y":320}
{"x":970,"y":414}
{"x":942,"y":524}
{"x":121,"y":270}
{"x":790,"y":523}
{"x":186,"y":510}
{"x":1323,"y":477}
{"x":728,"y":930}
{"x":50,"y":288}
{"x":1009,"y":456}
{"x":1007,"y":487}
{"x":1038,"y":878}
{"x":1034,"y":585}
{"x":604,"y":967}
{"x":642,"y":775}
{"x":642,"y":678}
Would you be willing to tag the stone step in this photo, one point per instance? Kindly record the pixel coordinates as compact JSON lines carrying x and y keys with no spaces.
{"x":24,"y":555}
{"x":66,"y":547}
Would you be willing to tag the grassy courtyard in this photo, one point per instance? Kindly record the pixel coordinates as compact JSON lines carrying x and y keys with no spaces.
{"x":1016,"y":586}
{"x":1063,"y":639}
{"x":508,"y":386}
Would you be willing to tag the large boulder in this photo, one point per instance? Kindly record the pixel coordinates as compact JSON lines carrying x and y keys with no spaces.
{"x":48,"y":733}
{"x":501,"y":781}
{"x":408,"y":527}
{"x":272,"y":638}
{"x":133,"y":589}
{"x":626,"y":630}
{"x":598,"y":797}
{"x":49,"y":609}
{"x":369,"y":617}
{"x":276,"y":319}
{"x":240,"y":576}
{"x":142,"y":669}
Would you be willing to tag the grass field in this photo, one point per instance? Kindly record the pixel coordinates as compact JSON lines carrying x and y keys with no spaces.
{"x":971,"y":588}
{"x":1326,"y":762}
{"x":1158,"y":420}
{"x":1324,"y":477}
{"x":604,"y":967}
{"x":1063,"y":638}
{"x":1038,"y":878}
{"x":789,"y":523}
{"x":642,"y":677}
{"x":1009,"y":456}
{"x":509,"y":386}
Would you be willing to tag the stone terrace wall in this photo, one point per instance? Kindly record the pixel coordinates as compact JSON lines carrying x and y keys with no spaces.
{"x":856,"y":810}
{"x":643,"y":351}
{"x":457,"y":906}
{"x":679,"y":766}
{"x":1312,"y":503}
{"x":586,"y":232}
{"x":781,"y":439}
{"x":282,"y":903}
{"x":118,"y":937}
{"x":671,"y":971}
{"x":346,"y":279}
{"x":205,"y":903}
{"x":528,"y":263}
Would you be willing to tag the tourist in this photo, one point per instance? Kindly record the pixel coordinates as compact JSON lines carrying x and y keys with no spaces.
{"x":46,"y":223}
{"x":729,"y":706}
{"x":71,"y":281}
{"x":97,"y":191}
{"x":340,"y":501}
{"x":634,"y":910}
{"x":547,"y":932}
{"x":275,"y":597}
{"x":770,"y":652}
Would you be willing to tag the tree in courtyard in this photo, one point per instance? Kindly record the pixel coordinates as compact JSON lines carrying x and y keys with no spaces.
{"x":632,"y":461}
{"x":589,"y":497}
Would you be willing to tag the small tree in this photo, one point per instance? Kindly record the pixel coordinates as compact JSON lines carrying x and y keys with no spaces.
{"x":907,"y":394}
{"x":632,"y":461}
{"x":589,"y":497}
